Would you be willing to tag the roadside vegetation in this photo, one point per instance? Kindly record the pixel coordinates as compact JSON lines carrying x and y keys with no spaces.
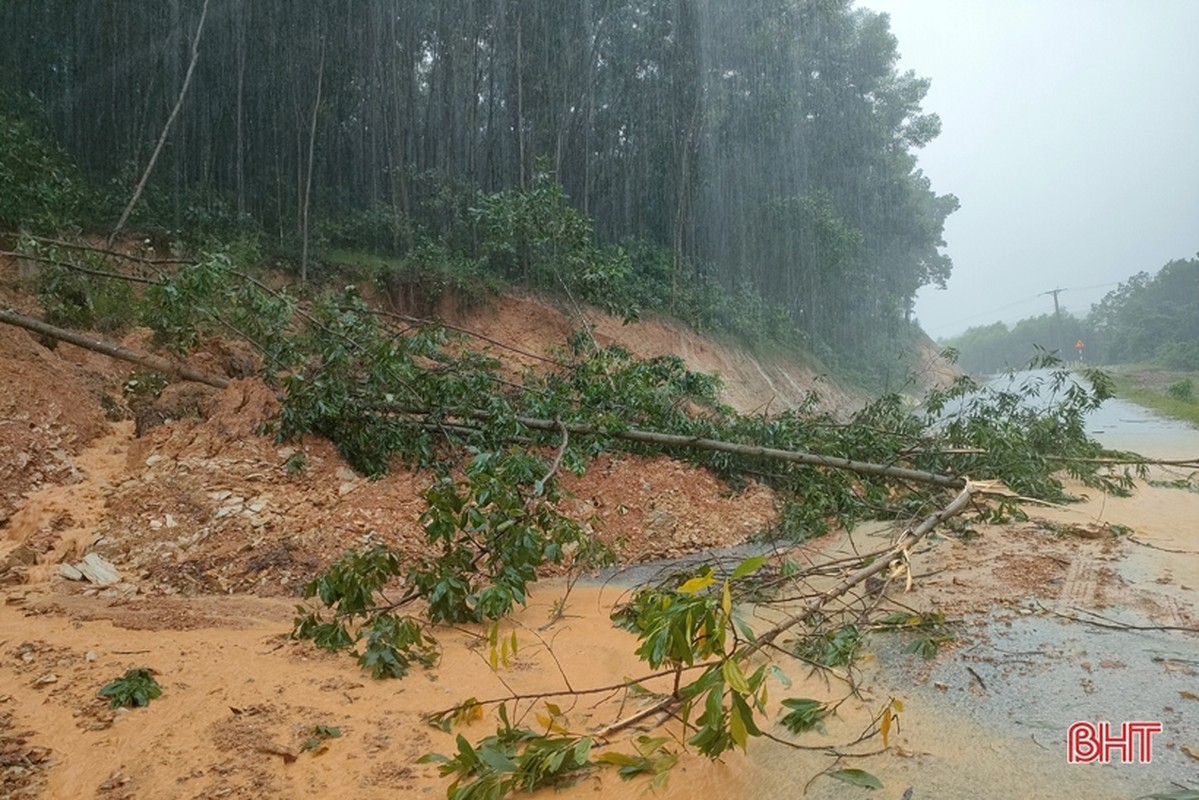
{"x":1171,"y":393}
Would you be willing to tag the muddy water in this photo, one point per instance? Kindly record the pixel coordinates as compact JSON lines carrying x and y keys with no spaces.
{"x":1121,"y":425}
{"x":988,"y":719}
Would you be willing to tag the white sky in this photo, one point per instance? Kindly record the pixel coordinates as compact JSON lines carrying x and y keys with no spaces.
{"x":1070,"y":133}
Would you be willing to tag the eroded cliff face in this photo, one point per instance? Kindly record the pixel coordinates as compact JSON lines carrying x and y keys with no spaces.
{"x":751,"y":384}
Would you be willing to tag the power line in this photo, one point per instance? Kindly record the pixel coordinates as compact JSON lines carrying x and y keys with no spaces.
{"x":986,"y":313}
{"x":1028,"y":299}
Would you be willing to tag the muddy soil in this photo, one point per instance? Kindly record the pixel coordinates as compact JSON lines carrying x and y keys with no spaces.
{"x":213,"y":527}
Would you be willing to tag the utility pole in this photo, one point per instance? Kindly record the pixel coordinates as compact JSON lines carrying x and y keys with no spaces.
{"x":1057,"y":318}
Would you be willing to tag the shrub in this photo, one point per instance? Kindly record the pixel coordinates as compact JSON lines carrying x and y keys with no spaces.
{"x":39,"y":187}
{"x":1183,"y":390}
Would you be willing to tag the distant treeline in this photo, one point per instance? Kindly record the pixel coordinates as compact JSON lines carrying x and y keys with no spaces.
{"x":1149,"y":318}
{"x":765,"y":145}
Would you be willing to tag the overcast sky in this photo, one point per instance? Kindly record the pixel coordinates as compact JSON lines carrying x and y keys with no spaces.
{"x":1070,"y":133}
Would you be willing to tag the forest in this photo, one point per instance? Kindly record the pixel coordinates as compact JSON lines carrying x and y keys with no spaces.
{"x":1151,"y":319}
{"x":748,"y":167}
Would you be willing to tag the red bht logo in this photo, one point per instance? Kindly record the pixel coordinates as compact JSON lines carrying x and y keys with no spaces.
{"x":1087,"y":742}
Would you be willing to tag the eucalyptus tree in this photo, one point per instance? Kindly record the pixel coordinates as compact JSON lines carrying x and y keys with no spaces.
{"x":766,"y":145}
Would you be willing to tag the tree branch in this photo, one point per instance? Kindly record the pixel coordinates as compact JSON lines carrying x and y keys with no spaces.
{"x":957,"y":506}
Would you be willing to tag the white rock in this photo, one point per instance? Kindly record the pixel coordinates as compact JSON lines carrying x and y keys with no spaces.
{"x":69,"y":572}
{"x":152,"y":460}
{"x":98,"y":571}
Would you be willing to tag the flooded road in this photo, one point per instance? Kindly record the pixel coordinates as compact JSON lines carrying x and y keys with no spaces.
{"x":988,"y":717}
{"x":1121,"y":425}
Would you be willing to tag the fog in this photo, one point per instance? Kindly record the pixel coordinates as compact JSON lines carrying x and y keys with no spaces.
{"x":1071,"y":137}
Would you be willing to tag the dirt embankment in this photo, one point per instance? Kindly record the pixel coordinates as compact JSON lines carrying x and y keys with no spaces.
{"x":751,"y":384}
{"x":213,"y":527}
{"x":201,"y":501}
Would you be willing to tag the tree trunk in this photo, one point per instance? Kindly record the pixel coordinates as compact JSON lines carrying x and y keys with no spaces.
{"x":166,"y":129}
{"x":320,"y":75}
{"x":115,"y":351}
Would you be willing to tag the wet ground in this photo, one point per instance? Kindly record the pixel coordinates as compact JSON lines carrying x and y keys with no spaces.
{"x":988,"y":719}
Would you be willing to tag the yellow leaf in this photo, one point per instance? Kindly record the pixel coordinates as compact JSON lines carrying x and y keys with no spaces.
{"x":697,"y":584}
{"x":734,"y":677}
{"x":726,"y":602}
{"x":884,"y":727}
{"x":544,"y":721}
{"x":493,"y":660}
{"x":1190,"y":751}
{"x":1188,"y":695}
{"x":897,"y":704}
{"x":514,"y":641}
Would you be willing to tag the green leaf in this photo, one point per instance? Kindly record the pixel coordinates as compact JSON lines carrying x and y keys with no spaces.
{"x":748,"y":567}
{"x":496,"y":759}
{"x":857,"y":777}
{"x":805,"y":715}
{"x":737,"y":729}
{"x":432,"y":758}
{"x":134,"y":690}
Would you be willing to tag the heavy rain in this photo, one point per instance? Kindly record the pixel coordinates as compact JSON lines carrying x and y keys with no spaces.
{"x":771,"y":399}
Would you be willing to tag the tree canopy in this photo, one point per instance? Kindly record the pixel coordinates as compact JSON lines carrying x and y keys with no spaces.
{"x":766,"y":145}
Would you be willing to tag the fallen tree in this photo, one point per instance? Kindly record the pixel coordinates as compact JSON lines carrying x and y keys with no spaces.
{"x":147,"y":360}
{"x":183,"y":372}
{"x":381,"y":392}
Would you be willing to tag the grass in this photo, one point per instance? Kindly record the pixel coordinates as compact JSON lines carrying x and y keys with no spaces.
{"x":1150,"y":387}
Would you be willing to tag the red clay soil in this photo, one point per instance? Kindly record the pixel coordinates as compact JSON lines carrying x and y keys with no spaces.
{"x":752,"y":384}
{"x":213,"y":529}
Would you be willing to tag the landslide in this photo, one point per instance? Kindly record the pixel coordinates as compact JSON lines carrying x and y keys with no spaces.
{"x":205,"y":500}
{"x":751,"y":384}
